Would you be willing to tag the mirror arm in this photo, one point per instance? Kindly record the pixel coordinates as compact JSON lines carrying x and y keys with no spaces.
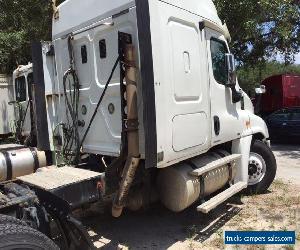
{"x":236,"y":95}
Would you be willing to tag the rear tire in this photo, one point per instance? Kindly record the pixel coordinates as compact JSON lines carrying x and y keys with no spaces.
{"x":5,"y":219}
{"x":13,"y":236}
{"x":262,"y":168}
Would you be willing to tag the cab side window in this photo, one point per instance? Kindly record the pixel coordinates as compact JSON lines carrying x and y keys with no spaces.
{"x":102,"y":48}
{"x":20,"y":88}
{"x":218,"y":50}
{"x":30,"y":78}
{"x":84,"y":56}
{"x":30,"y":83}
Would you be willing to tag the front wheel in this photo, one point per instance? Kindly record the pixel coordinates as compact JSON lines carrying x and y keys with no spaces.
{"x":262,"y":168}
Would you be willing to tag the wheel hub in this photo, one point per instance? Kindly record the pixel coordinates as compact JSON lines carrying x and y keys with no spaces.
{"x":257,"y":168}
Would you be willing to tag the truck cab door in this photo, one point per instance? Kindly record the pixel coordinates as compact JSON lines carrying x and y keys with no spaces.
{"x":225,"y":118}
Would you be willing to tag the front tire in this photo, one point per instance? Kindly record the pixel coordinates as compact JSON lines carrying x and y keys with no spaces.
{"x":262,"y":168}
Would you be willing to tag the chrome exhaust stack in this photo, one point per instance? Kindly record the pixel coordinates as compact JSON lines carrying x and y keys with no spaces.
{"x":133,"y":156}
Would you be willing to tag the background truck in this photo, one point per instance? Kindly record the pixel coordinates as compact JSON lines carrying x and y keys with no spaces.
{"x":7,"y":114}
{"x":127,"y":114}
{"x":282,"y":91}
{"x":17,"y":114}
{"x":23,"y":105}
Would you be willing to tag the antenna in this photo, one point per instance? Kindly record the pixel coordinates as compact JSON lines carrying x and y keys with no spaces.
{"x":55,"y":10}
{"x":226,"y":31}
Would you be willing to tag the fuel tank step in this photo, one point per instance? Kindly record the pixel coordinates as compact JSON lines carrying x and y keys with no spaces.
{"x":65,"y":189}
{"x":56,"y":178}
{"x":220,"y":198}
{"x":216,"y":164}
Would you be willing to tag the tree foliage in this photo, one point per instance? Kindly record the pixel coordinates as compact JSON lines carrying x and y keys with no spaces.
{"x":251,"y":77}
{"x":262,"y":29}
{"x":22,"y":22}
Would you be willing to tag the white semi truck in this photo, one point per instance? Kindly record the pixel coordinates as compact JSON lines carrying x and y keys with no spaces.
{"x":136,"y":102}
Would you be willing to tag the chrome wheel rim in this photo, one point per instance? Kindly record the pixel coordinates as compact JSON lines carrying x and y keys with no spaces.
{"x":256,"y":169}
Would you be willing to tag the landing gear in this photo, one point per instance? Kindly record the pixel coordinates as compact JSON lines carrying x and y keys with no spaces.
{"x":262,"y":168}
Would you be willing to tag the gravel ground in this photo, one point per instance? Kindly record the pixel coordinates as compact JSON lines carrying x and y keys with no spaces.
{"x":288,"y":161}
{"x":158,"y":228}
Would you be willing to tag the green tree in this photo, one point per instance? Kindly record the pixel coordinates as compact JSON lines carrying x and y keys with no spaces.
{"x":251,"y":77}
{"x":262,"y":29}
{"x":22,"y":22}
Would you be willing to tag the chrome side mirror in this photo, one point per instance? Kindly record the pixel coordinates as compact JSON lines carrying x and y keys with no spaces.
{"x":231,"y":69}
{"x":261,"y":90}
{"x":237,"y":96}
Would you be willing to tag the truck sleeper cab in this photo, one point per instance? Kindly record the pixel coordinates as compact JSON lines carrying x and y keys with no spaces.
{"x":188,"y":107}
{"x":143,"y":102}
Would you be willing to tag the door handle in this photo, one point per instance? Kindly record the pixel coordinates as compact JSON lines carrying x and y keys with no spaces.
{"x":217,"y":125}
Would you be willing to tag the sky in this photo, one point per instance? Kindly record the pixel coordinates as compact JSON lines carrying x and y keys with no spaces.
{"x":279,"y":58}
{"x":297,"y":59}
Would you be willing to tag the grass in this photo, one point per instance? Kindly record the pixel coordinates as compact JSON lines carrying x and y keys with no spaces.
{"x":280,"y":184}
{"x":192,"y":232}
{"x":289,"y":247}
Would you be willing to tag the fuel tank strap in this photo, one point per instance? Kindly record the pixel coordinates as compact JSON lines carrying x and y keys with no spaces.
{"x":201,"y":179}
{"x":12,"y":148}
{"x":230,"y":170}
{"x":229,"y":165}
{"x":35,"y":158}
{"x":8,"y":164}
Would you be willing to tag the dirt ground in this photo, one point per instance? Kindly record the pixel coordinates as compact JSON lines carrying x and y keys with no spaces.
{"x":278,"y":209}
{"x":288,"y":160}
{"x":158,"y":228}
